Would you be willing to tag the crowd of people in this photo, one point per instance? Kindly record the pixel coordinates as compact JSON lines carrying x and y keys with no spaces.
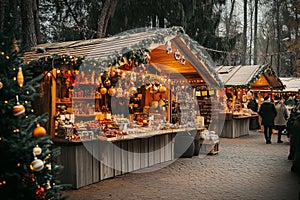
{"x":283,"y":116}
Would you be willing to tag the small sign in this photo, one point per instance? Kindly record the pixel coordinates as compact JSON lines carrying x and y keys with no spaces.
{"x":211,"y":92}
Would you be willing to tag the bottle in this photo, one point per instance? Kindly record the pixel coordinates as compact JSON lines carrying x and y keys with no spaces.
{"x":108,"y":114}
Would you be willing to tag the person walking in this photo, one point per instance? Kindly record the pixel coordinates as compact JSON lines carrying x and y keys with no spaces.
{"x":295,"y":140}
{"x":253,"y":105}
{"x":280,"y":119}
{"x":292,"y":132}
{"x":268,"y":113}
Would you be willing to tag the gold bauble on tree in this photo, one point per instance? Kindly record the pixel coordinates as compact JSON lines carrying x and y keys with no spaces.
{"x":37,"y":165}
{"x":20,"y":77}
{"x":39,"y":131}
{"x":37,"y":150}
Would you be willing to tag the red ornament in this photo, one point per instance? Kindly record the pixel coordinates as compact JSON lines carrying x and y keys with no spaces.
{"x":40,"y":193}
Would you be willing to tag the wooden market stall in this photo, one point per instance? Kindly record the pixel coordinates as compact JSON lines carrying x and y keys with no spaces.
{"x":292,"y":88}
{"x":241,"y":84}
{"x":117,"y":104}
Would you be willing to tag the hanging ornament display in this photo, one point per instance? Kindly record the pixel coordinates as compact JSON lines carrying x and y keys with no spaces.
{"x":39,"y":131}
{"x":36,"y":165}
{"x":18,"y":109}
{"x":37,"y":150}
{"x":20,"y":77}
{"x":112,"y":91}
{"x":40,"y":193}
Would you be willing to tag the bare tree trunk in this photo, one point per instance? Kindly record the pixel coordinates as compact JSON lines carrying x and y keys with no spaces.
{"x":2,"y":13}
{"x":251,"y":32}
{"x":28,"y":29}
{"x":278,"y":36}
{"x":37,"y":21}
{"x":108,"y":11}
{"x":243,"y":60}
{"x":228,"y":23}
{"x":255,"y":32}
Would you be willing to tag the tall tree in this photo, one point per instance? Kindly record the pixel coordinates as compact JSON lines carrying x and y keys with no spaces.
{"x":29,"y":38}
{"x":244,"y":51}
{"x":36,"y":21}
{"x":278,"y":31}
{"x":255,"y":32}
{"x":107,"y":12}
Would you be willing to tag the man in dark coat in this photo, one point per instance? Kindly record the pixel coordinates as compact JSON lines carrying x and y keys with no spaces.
{"x":292,"y":131}
{"x":268,"y":113}
{"x":295,"y":141}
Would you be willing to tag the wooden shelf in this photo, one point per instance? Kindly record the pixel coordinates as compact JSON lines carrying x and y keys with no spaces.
{"x":64,"y":102}
{"x":85,"y":98}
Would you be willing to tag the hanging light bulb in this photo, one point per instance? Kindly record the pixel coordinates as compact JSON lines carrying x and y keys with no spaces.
{"x":177,"y":55}
{"x":182,"y":60}
{"x":169,"y":47}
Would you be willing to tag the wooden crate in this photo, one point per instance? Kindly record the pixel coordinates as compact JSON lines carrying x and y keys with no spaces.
{"x":210,"y":148}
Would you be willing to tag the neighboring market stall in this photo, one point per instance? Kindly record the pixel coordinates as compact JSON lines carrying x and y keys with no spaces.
{"x":118,"y":104}
{"x":292,"y":88}
{"x":242,"y":83}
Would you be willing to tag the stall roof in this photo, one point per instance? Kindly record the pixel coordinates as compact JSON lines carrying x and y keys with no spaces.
{"x":292,"y":84}
{"x":198,"y":61}
{"x":250,"y":76}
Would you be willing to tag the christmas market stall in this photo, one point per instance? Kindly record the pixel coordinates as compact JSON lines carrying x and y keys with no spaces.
{"x":124,"y":103}
{"x":292,"y":88}
{"x":244,"y":84}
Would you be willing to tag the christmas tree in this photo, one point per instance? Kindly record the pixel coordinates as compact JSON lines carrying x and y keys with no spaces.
{"x":27,"y":169}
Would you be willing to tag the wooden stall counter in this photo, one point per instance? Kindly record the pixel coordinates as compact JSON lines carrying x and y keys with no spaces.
{"x":236,"y":127}
{"x":90,"y":161}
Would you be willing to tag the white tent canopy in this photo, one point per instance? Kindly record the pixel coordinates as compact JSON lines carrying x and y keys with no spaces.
{"x":292,"y":83}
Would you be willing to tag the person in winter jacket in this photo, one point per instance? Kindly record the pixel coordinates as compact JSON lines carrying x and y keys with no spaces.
{"x":295,"y":139}
{"x":280,"y":119}
{"x":292,"y":131}
{"x":268,"y":113}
